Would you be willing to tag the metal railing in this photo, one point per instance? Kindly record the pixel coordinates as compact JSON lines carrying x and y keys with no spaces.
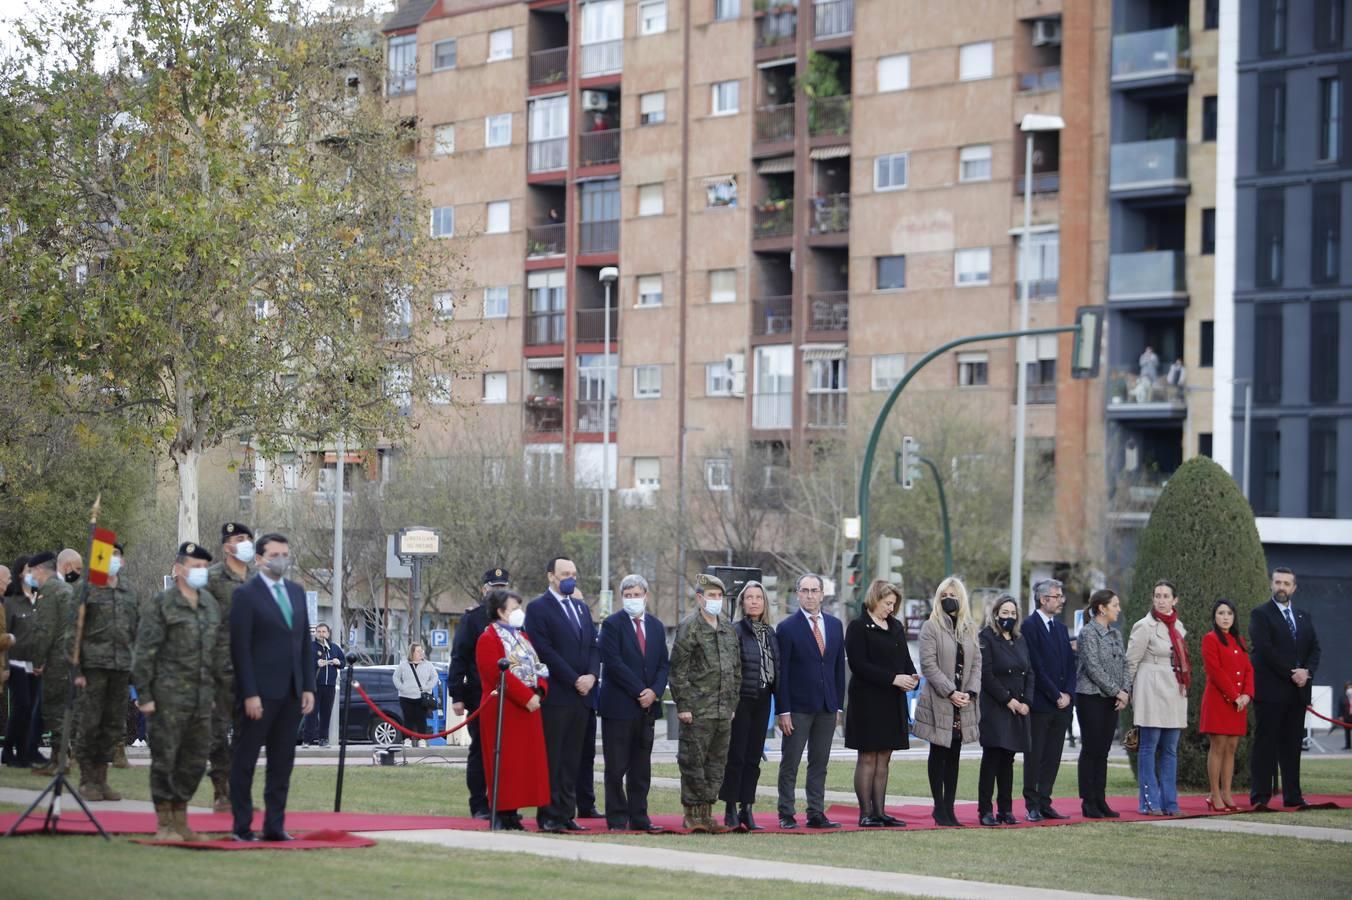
{"x":1153,"y":273}
{"x":1043,"y":183}
{"x":549,"y":66}
{"x":776,"y":28}
{"x":775,"y":123}
{"x":1038,"y":288}
{"x":772,"y":409}
{"x":599,"y":237}
{"x":829,"y":115}
{"x":549,"y":155}
{"x":544,"y":414}
{"x":591,"y":415}
{"x":773,"y":219}
{"x":831,"y":214}
{"x":599,"y":148}
{"x":1147,"y":164}
{"x":546,"y":240}
{"x":544,"y":328}
{"x":591,"y":324}
{"x":772,"y":315}
{"x":829,"y":311}
{"x":1042,"y":394}
{"x":1048,"y":79}
{"x":827,"y":409}
{"x":602,"y":59}
{"x":1149,"y":54}
{"x":1128,"y":387}
{"x":832,"y":18}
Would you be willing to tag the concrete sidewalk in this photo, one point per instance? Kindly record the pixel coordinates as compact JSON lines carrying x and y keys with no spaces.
{"x":1261,"y":829}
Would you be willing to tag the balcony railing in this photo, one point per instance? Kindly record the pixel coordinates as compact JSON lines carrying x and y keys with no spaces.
{"x":775,"y":123}
{"x":772,"y":315}
{"x":1043,"y":183}
{"x":1154,"y":273}
{"x":833,"y":18}
{"x":591,"y":324}
{"x":774,"y":218}
{"x":1039,"y":393}
{"x":827,"y":409}
{"x":549,"y":155}
{"x":604,"y":58}
{"x":548,"y":66}
{"x":772,"y":409}
{"x":1038,"y":288}
{"x":829,"y":115}
{"x":546,"y":240}
{"x":1128,"y":388}
{"x":599,"y":148}
{"x":776,"y":28}
{"x":591,"y":415}
{"x":831,"y":214}
{"x":1048,"y":79}
{"x":1148,"y":164}
{"x":599,"y":237}
{"x":1149,"y":54}
{"x":544,"y":413}
{"x":829,"y":311}
{"x":544,"y":328}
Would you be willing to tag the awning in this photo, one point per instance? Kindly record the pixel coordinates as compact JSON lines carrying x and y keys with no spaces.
{"x":349,"y":457}
{"x":708,"y":180}
{"x":544,"y":362}
{"x":823,"y":351}
{"x":835,"y":152}
{"x":777,"y":166}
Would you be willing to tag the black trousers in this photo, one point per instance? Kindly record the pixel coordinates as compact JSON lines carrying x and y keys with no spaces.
{"x":586,"y":770}
{"x":21,"y":734}
{"x":943,"y":773}
{"x":317,"y":723}
{"x":1277,"y":733}
{"x":742,"y":773}
{"x":627,"y":747}
{"x":275,"y":731}
{"x":1098,"y":724}
{"x":565,"y":731}
{"x":1043,"y":759}
{"x":997,"y":770}
{"x":475,"y":779}
{"x":415,"y":716}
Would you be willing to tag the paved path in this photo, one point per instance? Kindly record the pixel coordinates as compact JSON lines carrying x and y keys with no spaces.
{"x":1262,"y":829}
{"x":23,"y":797}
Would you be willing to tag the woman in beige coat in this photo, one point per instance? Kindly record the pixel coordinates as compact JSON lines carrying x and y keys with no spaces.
{"x":1157,"y":664}
{"x":947,"y":714}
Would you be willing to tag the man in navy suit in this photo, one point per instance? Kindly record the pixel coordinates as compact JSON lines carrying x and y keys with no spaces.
{"x":809,"y":700}
{"x":275,"y":679}
{"x":1048,"y":642}
{"x":561,"y":629}
{"x":1285,"y":651}
{"x":634,"y":667}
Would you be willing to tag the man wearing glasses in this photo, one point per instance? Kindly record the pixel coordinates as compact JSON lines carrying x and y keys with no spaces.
{"x":1048,"y":642}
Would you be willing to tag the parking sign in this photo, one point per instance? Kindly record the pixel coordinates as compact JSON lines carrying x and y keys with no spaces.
{"x":440,"y":638}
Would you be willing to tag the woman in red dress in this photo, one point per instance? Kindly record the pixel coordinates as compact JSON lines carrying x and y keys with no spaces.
{"x":1225,"y":702}
{"x":525,"y":770}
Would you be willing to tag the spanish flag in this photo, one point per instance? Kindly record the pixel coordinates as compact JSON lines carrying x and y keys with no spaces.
{"x":100,"y":554}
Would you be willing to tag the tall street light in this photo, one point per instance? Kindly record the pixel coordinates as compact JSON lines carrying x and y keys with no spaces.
{"x":1032,"y":124}
{"x":609,"y":275}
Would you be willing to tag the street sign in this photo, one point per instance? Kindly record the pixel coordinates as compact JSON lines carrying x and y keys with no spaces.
{"x":393,"y":567}
{"x":441,"y":638}
{"x":418,"y":542}
{"x":849,"y":528}
{"x":312,"y":606}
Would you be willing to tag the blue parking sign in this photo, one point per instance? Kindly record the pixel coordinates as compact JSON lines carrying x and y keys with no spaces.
{"x":441,"y":637}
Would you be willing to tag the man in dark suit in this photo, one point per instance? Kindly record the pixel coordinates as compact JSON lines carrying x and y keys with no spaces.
{"x":1053,"y":661}
{"x":561,"y":629}
{"x":275,"y":680}
{"x":462,"y":683}
{"x":634,"y":666}
{"x":809,"y":699}
{"x":1285,"y":651}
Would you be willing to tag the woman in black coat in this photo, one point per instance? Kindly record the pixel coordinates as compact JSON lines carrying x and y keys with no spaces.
{"x":760,"y":668}
{"x":876,"y":716}
{"x":1006,"y":686}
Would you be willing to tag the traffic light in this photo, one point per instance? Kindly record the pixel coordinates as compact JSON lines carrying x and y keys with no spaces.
{"x":908,"y":462}
{"x":1084,"y":357}
{"x":888,"y":560}
{"x":850,"y":576}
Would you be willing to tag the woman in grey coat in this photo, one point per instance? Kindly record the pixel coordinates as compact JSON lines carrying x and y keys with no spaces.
{"x":1100,"y":694}
{"x":412,"y":678}
{"x":947,"y":713}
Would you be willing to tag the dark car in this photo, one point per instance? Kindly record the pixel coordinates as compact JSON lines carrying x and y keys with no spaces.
{"x":378,"y":682}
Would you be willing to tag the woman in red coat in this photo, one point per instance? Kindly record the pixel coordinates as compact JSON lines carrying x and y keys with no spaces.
{"x":1225,"y":702}
{"x":525,"y":770}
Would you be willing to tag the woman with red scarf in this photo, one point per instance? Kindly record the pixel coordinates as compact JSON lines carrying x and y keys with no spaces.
{"x":1225,"y":703}
{"x":1157,"y":663}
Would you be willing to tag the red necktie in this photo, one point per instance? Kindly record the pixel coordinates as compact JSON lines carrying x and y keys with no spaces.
{"x":642,"y":641}
{"x":817,"y":633}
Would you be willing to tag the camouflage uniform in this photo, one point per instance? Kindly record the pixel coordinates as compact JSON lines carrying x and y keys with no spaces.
{"x":221,"y":584}
{"x":105,"y":662}
{"x":55,"y":599}
{"x":706,"y":677}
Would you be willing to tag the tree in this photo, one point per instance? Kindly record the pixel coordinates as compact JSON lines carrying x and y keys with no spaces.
{"x":1201,"y":536}
{"x":215,"y":234}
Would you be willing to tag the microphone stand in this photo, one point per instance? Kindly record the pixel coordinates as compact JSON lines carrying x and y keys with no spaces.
{"x":503,"y":665}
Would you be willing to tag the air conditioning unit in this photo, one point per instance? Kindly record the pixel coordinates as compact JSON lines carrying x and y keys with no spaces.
{"x":1047,"y":33}
{"x":736,"y":362}
{"x":595,"y":100}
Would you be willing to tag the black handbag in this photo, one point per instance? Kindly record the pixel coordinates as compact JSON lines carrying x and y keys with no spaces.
{"x":428,"y":702}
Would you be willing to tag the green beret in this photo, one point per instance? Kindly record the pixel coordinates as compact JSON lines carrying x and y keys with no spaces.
{"x":703,"y":582}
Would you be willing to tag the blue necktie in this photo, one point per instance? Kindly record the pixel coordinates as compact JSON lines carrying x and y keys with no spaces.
{"x":283,"y":602}
{"x":1290,"y":622}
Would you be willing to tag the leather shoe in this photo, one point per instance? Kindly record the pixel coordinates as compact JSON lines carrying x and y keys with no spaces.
{"x":617,"y":827}
{"x":247,"y":837}
{"x":1005,"y":818}
{"x":1299,"y":804}
{"x":821,"y":822}
{"x":1034,"y":815}
{"x":988,"y":820}
{"x":1262,"y":806}
{"x":592,"y":813}
{"x":648,"y":828}
{"x":788,"y":823}
{"x":892,"y":821}
{"x":279,"y":836}
{"x":1090,"y":810}
{"x":1049,"y":813}
{"x":571,"y":825}
{"x":549,"y":826}
{"x":1107,"y":811}
{"x":871,"y":822}
{"x":482,"y":814}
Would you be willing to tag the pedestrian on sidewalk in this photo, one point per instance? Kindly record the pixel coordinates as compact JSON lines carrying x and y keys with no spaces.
{"x":1157,"y":662}
{"x":948,"y":715}
{"x":1101,"y":693}
{"x":760,"y":674}
{"x":1226,"y":700}
{"x":413,"y":679}
{"x":1006,"y":687}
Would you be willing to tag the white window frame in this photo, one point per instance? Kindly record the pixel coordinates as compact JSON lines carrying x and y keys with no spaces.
{"x":647,"y":297}
{"x":443,"y":139}
{"x":727,"y":10}
{"x":498,"y":217}
{"x":880,"y":379}
{"x":496,"y":51}
{"x":496,"y":121}
{"x":717,"y":379}
{"x":652,"y":17}
{"x":718,"y":473}
{"x":496,"y":297}
{"x":436,"y":53}
{"x":648,"y":114}
{"x":965,"y":373}
{"x":972,"y":266}
{"x":887,"y":162}
{"x":975,"y":154}
{"x":723,"y":294}
{"x":443,"y":305}
{"x":976,"y":61}
{"x":645,"y":480}
{"x":494,"y":388}
{"x":898,"y":69}
{"x":652,"y":199}
{"x":647,"y":382}
{"x":438,"y":218}
{"x":723,"y":92}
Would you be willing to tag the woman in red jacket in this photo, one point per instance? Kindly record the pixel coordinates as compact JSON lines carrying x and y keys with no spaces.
{"x":524,"y":780}
{"x":1225,"y":702}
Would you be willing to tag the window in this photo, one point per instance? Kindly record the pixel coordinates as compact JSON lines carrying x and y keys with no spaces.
{"x":602,"y":37}
{"x":1211,"y":19}
{"x":1044,"y":261}
{"x":722,"y":285}
{"x":443,"y":140}
{"x":443,"y":304}
{"x":443,"y":55}
{"x":1204,"y":444}
{"x":647,"y":473}
{"x":500,"y":44}
{"x":727,"y":9}
{"x":1330,"y":118}
{"x":887,"y":371}
{"x":401,"y":65}
{"x":1208,"y":232}
{"x":1266,"y":481}
{"x":891,"y":274}
{"x":720,"y":192}
{"x":1323,"y":468}
{"x":976,"y":61}
{"x":889,"y":172}
{"x":1040,"y":371}
{"x":647,"y":382}
{"x":972,"y":267}
{"x":650,"y":199}
{"x":974,"y":163}
{"x":894,"y":73}
{"x":1271,"y":136}
{"x":1324,"y":352}
{"x":498,"y":130}
{"x":717,"y":380}
{"x":652,"y":108}
{"x":718,"y":473}
{"x":725,"y":97}
{"x":495,"y":387}
{"x":291,"y":471}
{"x":1325,"y":233}
{"x":650,"y":290}
{"x":1209,"y":118}
{"x":973,"y":369}
{"x":1267,"y":353}
{"x":499,"y":217}
{"x":1271,"y":27}
{"x":443,"y":221}
{"x":652,"y":16}
{"x":1206,"y":344}
{"x":1270,"y":233}
{"x":439,"y":389}
{"x":495,"y":302}
{"x":1328,"y":24}
{"x":597,"y":380}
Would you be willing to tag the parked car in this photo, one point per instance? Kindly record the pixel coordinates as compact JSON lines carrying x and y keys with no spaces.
{"x":378,"y":682}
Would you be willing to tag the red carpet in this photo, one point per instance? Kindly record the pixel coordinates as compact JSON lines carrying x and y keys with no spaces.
{"x":314,"y":840}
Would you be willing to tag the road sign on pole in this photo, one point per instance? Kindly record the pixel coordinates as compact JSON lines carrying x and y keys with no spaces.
{"x":441,"y":638}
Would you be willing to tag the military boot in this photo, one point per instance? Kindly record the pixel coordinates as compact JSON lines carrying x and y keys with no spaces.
{"x":120,"y":756}
{"x":712,"y":823}
{"x":108,"y":792}
{"x":90,"y":788}
{"x":220,"y":782}
{"x":179,"y":823}
{"x":164,"y":822}
{"x":693,"y":821}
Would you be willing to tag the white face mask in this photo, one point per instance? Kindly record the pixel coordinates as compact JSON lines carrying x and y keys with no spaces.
{"x":516,"y":618}
{"x":114,"y":565}
{"x":713,"y":606}
{"x":196,"y":578}
{"x":244,"y":551}
{"x":634,"y":606}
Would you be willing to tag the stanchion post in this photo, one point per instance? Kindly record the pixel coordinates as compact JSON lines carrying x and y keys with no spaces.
{"x":342,"y":738}
{"x":503,"y":665}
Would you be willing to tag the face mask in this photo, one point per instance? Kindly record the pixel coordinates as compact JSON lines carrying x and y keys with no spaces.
{"x":244,"y":551}
{"x":713,"y":605}
{"x":516,"y":618}
{"x":634,"y":606}
{"x":30,"y":581}
{"x":278,"y":566}
{"x":1006,"y":624}
{"x":196,"y":578}
{"x":949,"y":605}
{"x":567,"y":586}
{"x":72,"y":577}
{"x":114,"y":565}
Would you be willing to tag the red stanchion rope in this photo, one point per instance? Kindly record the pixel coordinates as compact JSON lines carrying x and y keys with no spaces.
{"x":1339,"y":722}
{"x":413,"y":734}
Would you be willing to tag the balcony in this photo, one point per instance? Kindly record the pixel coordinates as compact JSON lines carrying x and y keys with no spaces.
{"x":1155,"y":279}
{"x":772,"y":410}
{"x":774,"y":123}
{"x":831,"y":214}
{"x":772,"y":315}
{"x":549,"y":66}
{"x":544,"y":414}
{"x":773,"y":218}
{"x":776,"y":29}
{"x":1151,"y":59}
{"x":599,"y":148}
{"x":591,"y":324}
{"x":599,"y":237}
{"x":1039,"y":394}
{"x":605,"y":58}
{"x":1048,"y":79}
{"x":1145,"y":169}
{"x":546,"y":240}
{"x":1043,"y":183}
{"x":829,"y":311}
{"x":591,"y":415}
{"x":832,"y":18}
{"x":829,"y":116}
{"x":1038,"y":288}
{"x":827,"y":409}
{"x":549,"y":155}
{"x":1131,"y":397}
{"x":544,"y":328}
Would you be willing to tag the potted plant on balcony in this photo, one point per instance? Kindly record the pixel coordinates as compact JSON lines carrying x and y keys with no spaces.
{"x":1117,"y":388}
{"x":821,"y":81}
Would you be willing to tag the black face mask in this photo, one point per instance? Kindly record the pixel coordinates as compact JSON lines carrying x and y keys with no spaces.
{"x":1006,"y":624}
{"x":72,"y":577}
{"x":949,"y":605}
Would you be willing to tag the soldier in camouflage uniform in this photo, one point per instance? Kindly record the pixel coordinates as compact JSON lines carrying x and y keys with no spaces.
{"x":706,"y":678}
{"x":102,"y":676}
{"x":49,"y":655}
{"x":237,"y":551}
{"x":178,"y":667}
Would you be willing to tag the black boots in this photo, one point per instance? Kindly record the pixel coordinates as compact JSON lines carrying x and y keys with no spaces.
{"x":748,"y":820}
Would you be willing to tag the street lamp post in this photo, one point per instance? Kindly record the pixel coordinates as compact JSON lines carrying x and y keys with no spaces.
{"x":609,"y":275}
{"x":1248,"y":429}
{"x":1031,"y":125}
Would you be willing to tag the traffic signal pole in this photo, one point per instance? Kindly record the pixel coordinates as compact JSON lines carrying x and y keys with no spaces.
{"x":943,"y":514}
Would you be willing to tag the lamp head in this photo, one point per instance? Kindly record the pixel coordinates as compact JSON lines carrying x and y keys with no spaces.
{"x":1039,"y":122}
{"x":609,"y":275}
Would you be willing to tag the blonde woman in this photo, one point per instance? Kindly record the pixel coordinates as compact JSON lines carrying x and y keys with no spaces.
{"x":760,"y":665}
{"x":947,"y":714}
